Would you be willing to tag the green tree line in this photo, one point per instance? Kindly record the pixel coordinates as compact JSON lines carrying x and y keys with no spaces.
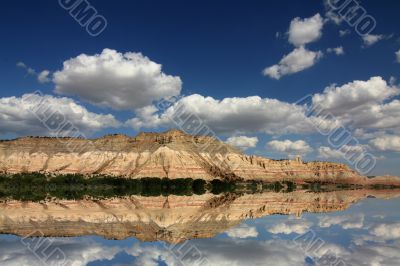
{"x":38,"y":186}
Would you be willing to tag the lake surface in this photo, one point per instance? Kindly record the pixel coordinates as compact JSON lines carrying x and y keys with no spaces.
{"x":349,"y":227}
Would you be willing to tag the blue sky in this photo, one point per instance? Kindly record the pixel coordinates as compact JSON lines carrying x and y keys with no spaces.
{"x":208,"y":49}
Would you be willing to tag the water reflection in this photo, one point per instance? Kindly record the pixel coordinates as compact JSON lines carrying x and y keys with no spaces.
{"x":360,"y":227}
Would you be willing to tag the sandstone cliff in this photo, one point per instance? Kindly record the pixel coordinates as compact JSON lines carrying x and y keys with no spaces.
{"x":171,"y":154}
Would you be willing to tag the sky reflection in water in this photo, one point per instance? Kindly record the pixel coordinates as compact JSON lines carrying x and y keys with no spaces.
{"x":367,"y":233}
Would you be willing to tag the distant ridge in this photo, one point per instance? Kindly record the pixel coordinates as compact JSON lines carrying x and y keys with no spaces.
{"x":172,"y":154}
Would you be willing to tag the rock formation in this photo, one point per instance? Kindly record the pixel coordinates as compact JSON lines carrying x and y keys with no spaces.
{"x":171,"y":154}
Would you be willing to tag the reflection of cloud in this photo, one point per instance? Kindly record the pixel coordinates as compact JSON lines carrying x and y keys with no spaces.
{"x":372,"y":243}
{"x":345,"y":221}
{"x":251,"y":252}
{"x":291,"y":226}
{"x":242,"y":231}
{"x":276,"y":252}
{"x":225,"y":252}
{"x":151,"y":255}
{"x":77,"y":252}
{"x":375,"y":254}
{"x":217,"y":251}
{"x":380,"y":246}
{"x":387,"y":231}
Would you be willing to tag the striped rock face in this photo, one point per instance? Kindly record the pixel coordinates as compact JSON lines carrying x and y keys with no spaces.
{"x":171,"y":154}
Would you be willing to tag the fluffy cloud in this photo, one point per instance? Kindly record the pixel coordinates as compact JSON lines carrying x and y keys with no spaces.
{"x":242,"y":231}
{"x":370,"y":39}
{"x":231,"y":115}
{"x":290,"y":147}
{"x":242,"y":142}
{"x":327,"y":152}
{"x":147,"y":117}
{"x":345,"y":151}
{"x":18,"y":115}
{"x":386,"y":143}
{"x":353,"y":95}
{"x":291,"y":226}
{"x":337,"y":50}
{"x":297,"y":60}
{"x":344,"y":221}
{"x":398,"y":56}
{"x":377,"y":117}
{"x":43,"y":77}
{"x":117,"y":80}
{"x":362,"y":104}
{"x":303,"y":31}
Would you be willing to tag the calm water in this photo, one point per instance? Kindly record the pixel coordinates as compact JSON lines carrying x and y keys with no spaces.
{"x":340,"y":229}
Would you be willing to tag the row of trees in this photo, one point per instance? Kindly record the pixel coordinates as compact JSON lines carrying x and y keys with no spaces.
{"x":37,"y":186}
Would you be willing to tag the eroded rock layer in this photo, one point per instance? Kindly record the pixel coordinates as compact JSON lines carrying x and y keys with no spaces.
{"x":171,"y":154}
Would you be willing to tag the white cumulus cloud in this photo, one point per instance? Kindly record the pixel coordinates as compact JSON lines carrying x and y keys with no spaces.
{"x":23,"y":115}
{"x":297,"y":60}
{"x":242,"y":142}
{"x":355,"y":94}
{"x":43,"y":77}
{"x":327,"y":152}
{"x":344,"y":151}
{"x":118,"y":80}
{"x":307,"y":30}
{"x":387,"y":143}
{"x":290,"y":147}
{"x":362,"y":104}
{"x":365,"y":106}
{"x":232,"y":116}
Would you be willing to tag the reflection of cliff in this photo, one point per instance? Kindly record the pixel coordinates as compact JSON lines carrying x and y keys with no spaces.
{"x":172,"y":218}
{"x":170,"y":154}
